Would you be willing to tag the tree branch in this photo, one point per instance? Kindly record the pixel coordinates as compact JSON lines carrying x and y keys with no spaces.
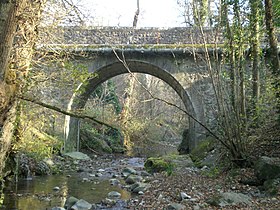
{"x":72,"y":114}
{"x":123,"y":61}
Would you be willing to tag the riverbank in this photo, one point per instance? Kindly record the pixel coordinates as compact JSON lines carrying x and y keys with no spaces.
{"x":95,"y":179}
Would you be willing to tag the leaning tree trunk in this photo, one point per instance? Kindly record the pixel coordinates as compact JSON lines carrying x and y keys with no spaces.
{"x":19,"y":19}
{"x":8,"y":23}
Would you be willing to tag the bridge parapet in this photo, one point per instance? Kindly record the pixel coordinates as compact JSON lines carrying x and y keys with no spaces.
{"x":128,"y":35}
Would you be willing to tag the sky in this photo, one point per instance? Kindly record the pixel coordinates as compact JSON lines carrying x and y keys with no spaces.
{"x":153,"y":13}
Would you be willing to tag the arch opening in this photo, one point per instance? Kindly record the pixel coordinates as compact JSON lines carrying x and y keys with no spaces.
{"x":79,"y":99}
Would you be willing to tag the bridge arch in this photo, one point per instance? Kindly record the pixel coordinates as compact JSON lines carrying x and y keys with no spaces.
{"x":111,"y":70}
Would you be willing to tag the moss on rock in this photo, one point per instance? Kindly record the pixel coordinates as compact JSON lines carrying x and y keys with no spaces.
{"x":153,"y":165}
{"x":168,"y":163}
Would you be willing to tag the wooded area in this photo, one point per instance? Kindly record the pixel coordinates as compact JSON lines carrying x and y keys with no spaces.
{"x":245,"y":78}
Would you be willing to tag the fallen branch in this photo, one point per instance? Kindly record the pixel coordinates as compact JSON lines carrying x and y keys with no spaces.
{"x":72,"y":114}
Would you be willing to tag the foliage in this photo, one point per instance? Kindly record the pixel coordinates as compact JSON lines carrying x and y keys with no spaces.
{"x":35,"y":135}
{"x":100,"y":139}
{"x":106,"y":93}
{"x":78,"y":72}
{"x":276,"y":10}
{"x":38,"y":145}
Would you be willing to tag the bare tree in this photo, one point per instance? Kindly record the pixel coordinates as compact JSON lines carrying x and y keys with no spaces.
{"x":135,"y":20}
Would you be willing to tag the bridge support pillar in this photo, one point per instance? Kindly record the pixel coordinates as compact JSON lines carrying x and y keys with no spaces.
{"x":71,"y":134}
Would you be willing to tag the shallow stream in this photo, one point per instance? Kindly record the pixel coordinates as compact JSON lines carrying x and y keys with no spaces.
{"x":39,"y":192}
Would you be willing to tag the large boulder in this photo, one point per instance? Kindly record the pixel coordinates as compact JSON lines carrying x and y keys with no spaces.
{"x":70,"y":201}
{"x":267,"y":168}
{"x":77,"y":155}
{"x":58,"y":208}
{"x":180,"y":161}
{"x":42,"y":168}
{"x":168,"y":163}
{"x":272,"y":186}
{"x":229,"y":198}
{"x":139,"y":186}
{"x":176,"y":206}
{"x":127,"y":171}
{"x":131,"y":179}
{"x":204,"y":154}
{"x":154,"y":165}
{"x":81,"y":205}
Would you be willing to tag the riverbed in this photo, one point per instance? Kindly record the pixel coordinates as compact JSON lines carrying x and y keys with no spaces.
{"x":90,"y":181}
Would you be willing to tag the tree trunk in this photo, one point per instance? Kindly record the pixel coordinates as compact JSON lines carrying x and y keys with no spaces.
{"x":8,"y":23}
{"x":17,"y":19}
{"x":273,"y":52}
{"x":231,"y":55}
{"x":255,"y":45}
{"x":135,"y":20}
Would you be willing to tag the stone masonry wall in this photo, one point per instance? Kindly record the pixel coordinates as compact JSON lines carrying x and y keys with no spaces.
{"x":127,"y":35}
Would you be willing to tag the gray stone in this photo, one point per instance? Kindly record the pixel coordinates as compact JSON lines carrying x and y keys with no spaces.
{"x":267,"y":168}
{"x":109,"y":202}
{"x":85,"y":179}
{"x":232,"y":198}
{"x":184,"y":196}
{"x":114,"y":195}
{"x":98,"y":174}
{"x":196,"y":207}
{"x":211,"y":158}
{"x":137,"y":187}
{"x":272,"y":186}
{"x":58,"y":208}
{"x":49,"y":162}
{"x":131,"y":179}
{"x":114,"y":181}
{"x":70,"y":202}
{"x":77,"y":155}
{"x":127,"y":171}
{"x":140,"y":193}
{"x":56,"y":188}
{"x":81,"y":205}
{"x":175,"y":206}
{"x":182,"y":161}
{"x":42,"y":168}
{"x":145,"y":173}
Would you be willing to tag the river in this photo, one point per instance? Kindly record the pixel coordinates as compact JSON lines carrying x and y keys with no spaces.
{"x":45,"y":192}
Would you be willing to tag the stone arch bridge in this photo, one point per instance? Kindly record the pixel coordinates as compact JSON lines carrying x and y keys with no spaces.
{"x":179,"y":63}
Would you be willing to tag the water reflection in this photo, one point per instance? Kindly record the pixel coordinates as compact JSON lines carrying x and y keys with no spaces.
{"x":39,"y":194}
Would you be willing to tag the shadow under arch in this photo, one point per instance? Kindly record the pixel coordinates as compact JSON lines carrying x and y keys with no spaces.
{"x":83,"y":92}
